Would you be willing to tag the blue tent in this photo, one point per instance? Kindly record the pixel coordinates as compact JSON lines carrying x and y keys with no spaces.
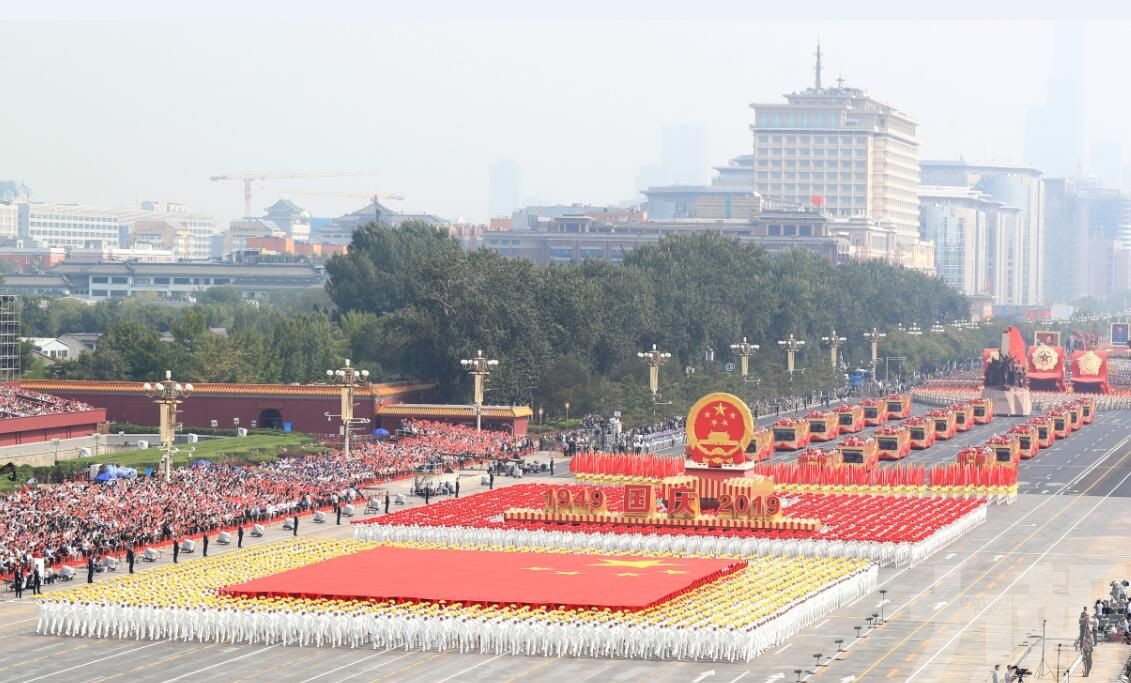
{"x":380,"y":431}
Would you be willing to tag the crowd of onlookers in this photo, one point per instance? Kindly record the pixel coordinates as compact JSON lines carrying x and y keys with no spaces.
{"x":80,"y":519}
{"x":16,"y":402}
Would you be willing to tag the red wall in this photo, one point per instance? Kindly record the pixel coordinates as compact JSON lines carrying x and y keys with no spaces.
{"x":19,"y":430}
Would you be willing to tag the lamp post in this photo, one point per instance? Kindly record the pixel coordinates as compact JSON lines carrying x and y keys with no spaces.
{"x":834,"y":343}
{"x":348,"y":377}
{"x":540,"y":420}
{"x":168,"y":395}
{"x":654,"y":359}
{"x":874,"y":337}
{"x":567,"y":413}
{"x":745,"y":350}
{"x":479,"y":367}
{"x":791,"y":346}
{"x":914,"y":330}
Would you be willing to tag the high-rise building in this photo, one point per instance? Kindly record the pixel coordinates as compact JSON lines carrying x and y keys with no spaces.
{"x":1067,"y":242}
{"x":841,"y":149}
{"x":958,"y":220}
{"x":9,"y":220}
{"x":683,"y":154}
{"x":1054,"y":131}
{"x":1017,"y":246}
{"x":1106,"y":163}
{"x":291,"y":219}
{"x":503,"y":187}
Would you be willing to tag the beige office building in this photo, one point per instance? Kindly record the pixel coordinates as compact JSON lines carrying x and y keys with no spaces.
{"x":837,"y":147}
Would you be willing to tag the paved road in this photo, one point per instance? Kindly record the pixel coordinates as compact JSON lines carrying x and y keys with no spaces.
{"x":975,"y":603}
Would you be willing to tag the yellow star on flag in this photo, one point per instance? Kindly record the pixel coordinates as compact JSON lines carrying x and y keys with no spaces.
{"x":674,"y":571}
{"x":567,"y":573}
{"x":540,"y":569}
{"x":628,"y":574}
{"x":635,"y":564}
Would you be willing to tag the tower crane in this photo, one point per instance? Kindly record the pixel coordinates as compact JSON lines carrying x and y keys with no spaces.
{"x":372,"y":197}
{"x":249,"y":178}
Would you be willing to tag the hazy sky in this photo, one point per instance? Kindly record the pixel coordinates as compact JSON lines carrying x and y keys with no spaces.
{"x":144,"y":102}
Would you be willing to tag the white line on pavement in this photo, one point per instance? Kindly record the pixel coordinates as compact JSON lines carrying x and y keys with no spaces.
{"x":346,"y":666}
{"x":460,"y":673}
{"x":226,"y":661}
{"x":85,"y":664}
{"x":374,"y":668}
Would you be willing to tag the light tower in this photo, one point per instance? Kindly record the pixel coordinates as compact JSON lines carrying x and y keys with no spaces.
{"x":168,"y":395}
{"x":348,"y":377}
{"x":874,"y":337}
{"x":834,"y":343}
{"x":654,"y":359}
{"x":479,"y":367}
{"x":791,"y":346}
{"x":744,"y":350}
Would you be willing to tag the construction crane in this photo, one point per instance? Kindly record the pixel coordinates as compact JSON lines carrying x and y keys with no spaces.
{"x":249,"y":178}
{"x":374,"y":197}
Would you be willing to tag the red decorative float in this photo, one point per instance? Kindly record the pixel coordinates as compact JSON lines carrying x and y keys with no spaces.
{"x":790,"y":434}
{"x":898,"y":406}
{"x":1089,"y":371}
{"x":922,"y":432}
{"x":859,"y":452}
{"x":963,"y":416}
{"x":1028,"y":442}
{"x":983,"y":410}
{"x":875,"y":412}
{"x":944,"y":423}
{"x":823,"y":426}
{"x":1007,"y":449}
{"x":893,"y":442}
{"x":850,"y":418}
{"x":1046,"y":435}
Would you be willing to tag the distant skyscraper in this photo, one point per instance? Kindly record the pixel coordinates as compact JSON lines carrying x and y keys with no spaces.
{"x":1067,"y":244}
{"x":1054,"y":132}
{"x":839,"y":148}
{"x":684,"y":155}
{"x":1106,"y":163}
{"x":503,"y":188}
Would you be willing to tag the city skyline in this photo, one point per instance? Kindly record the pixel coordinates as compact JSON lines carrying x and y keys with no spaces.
{"x":434,"y":128}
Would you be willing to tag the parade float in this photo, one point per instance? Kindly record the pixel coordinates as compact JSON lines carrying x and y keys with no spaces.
{"x":976,"y":456}
{"x":1046,"y":368}
{"x":943,"y":422}
{"x":1027,"y":439}
{"x":1004,"y":380}
{"x":761,"y":445}
{"x":1006,"y":448}
{"x":720,"y":430}
{"x":1087,"y":408}
{"x":963,"y":416}
{"x":893,"y":442}
{"x":850,"y":418}
{"x":790,"y":434}
{"x":898,"y":406}
{"x":823,"y":426}
{"x":859,"y":451}
{"x":1076,"y":414}
{"x":820,"y":458}
{"x":921,"y":431}
{"x":1089,"y":371}
{"x":983,"y":410}
{"x":1061,"y":422}
{"x":1046,"y":434}
{"x":875,"y":412}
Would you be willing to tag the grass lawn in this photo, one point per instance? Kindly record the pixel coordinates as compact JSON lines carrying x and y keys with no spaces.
{"x":252,"y":448}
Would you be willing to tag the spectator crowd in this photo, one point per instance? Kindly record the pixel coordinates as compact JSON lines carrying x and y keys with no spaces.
{"x":16,"y":402}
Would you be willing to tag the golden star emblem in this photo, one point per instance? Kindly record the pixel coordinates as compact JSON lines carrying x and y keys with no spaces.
{"x":720,"y":409}
{"x":635,"y":564}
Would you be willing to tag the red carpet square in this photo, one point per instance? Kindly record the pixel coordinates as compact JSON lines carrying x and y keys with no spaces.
{"x":493,"y":578}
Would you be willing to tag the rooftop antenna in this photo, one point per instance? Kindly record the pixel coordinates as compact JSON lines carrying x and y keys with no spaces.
{"x":840,"y":81}
{"x":817,"y":70}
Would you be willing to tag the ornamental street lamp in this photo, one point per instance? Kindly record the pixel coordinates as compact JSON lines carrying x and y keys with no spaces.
{"x":348,"y":377}
{"x":744,"y":350}
{"x":654,"y":359}
{"x":567,"y":412}
{"x":834,"y":343}
{"x":168,"y":395}
{"x":914,"y":330}
{"x":540,"y":420}
{"x":791,"y":346}
{"x":479,"y":367}
{"x":874,"y":336}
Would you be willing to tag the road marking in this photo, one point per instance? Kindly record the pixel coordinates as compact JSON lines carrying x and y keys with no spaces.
{"x":346,"y":666}
{"x":998,"y":557}
{"x":950,"y":556}
{"x":460,"y":673}
{"x":940,"y":605}
{"x":1016,"y":579}
{"x":742,"y":675}
{"x":787,"y":646}
{"x":704,"y":675}
{"x":821,"y":624}
{"x":776,"y":677}
{"x":226,"y":661}
{"x":374,"y":668}
{"x":85,"y":664}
